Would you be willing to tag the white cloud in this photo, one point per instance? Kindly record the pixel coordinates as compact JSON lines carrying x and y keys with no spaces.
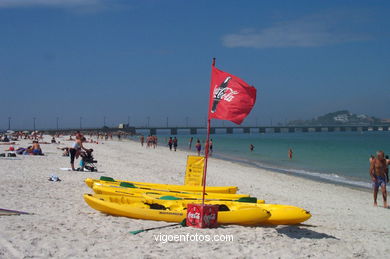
{"x":309,"y":31}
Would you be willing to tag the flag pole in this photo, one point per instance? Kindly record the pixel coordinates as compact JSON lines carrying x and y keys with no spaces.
{"x":206,"y":153}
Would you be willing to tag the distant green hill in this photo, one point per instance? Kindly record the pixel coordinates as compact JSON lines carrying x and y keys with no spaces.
{"x":343,"y":117}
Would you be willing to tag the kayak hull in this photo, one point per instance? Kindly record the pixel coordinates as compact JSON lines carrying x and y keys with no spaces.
{"x":174,"y":211}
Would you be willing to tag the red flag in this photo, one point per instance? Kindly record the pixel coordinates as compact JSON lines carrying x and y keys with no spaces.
{"x":230,"y":97}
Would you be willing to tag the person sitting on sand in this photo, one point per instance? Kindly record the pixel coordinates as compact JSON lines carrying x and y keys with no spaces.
{"x":53,"y":140}
{"x":378,"y":176}
{"x":36,"y":149}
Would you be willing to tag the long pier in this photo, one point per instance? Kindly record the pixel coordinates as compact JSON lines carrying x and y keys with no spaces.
{"x":239,"y":129}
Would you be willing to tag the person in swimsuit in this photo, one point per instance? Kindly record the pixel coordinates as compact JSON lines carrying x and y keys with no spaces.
{"x":198,"y":146}
{"x":251,"y":147}
{"x":387,"y":168}
{"x":170,"y":142}
{"x":174,"y":143}
{"x":211,"y":147}
{"x":378,"y":176}
{"x":290,"y":153}
{"x":36,"y":149}
{"x":190,"y":143}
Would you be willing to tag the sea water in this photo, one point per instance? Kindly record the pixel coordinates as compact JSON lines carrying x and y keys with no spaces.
{"x":339,"y":157}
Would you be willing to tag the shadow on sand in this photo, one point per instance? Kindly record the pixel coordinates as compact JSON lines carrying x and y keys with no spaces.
{"x":299,"y":232}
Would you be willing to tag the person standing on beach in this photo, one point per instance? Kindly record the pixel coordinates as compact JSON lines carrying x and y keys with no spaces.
{"x":211,"y":146}
{"x":190,"y":143}
{"x":142,"y":139}
{"x":174,"y":143}
{"x":387,"y":168}
{"x":290,"y":153}
{"x":154,"y":141}
{"x":378,"y":176}
{"x":198,"y":146}
{"x":170,"y":142}
{"x":75,"y":150}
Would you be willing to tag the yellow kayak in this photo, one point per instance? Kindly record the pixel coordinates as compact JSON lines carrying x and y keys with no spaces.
{"x":230,"y":213}
{"x":106,"y":188}
{"x":280,"y":214}
{"x":164,"y":187}
{"x":284,"y":214}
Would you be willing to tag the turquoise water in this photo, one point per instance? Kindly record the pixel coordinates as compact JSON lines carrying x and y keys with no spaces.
{"x":333,"y":156}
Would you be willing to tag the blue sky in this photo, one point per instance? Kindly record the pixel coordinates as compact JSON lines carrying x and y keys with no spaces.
{"x":114,"y":59}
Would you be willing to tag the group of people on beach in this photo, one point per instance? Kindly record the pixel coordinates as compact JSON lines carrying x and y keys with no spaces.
{"x":379,"y":173}
{"x":151,"y":141}
{"x":173,"y":143}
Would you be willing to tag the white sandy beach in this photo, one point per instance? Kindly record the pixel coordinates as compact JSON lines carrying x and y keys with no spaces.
{"x":344,"y":222}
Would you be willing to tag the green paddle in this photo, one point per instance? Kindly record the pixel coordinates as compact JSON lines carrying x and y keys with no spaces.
{"x":135,"y":232}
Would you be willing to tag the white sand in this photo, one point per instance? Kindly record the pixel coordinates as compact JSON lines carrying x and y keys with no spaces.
{"x":344,"y":222}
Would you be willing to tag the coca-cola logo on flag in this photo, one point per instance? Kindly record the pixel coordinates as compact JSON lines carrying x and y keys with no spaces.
{"x":230,"y":97}
{"x":223,"y":92}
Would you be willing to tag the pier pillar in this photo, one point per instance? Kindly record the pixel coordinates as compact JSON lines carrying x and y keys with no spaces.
{"x":354,"y":128}
{"x":276,"y":130}
{"x":247,"y":130}
{"x":262,"y":130}
{"x":193,"y":131}
{"x":318,"y":129}
{"x":330,"y":129}
{"x":212,"y":130}
{"x":173,"y":131}
{"x":291,"y":129}
{"x":364,"y":128}
{"x":229,"y":130}
{"x":305,"y":129}
{"x":375,"y":128}
{"x":153,"y":131}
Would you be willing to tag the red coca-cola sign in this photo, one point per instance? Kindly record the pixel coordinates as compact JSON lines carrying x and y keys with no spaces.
{"x":202,"y":216}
